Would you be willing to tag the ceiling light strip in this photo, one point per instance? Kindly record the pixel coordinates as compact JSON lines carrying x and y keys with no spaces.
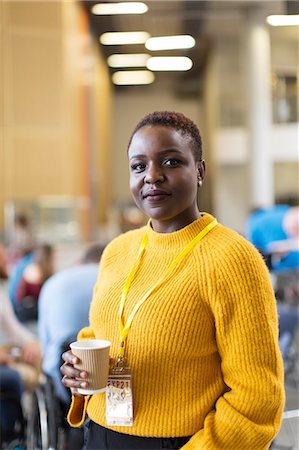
{"x":119,"y":8}
{"x":133,"y":77}
{"x":128,"y":60}
{"x":169,"y":63}
{"x":124,"y":38}
{"x":170,"y":42}
{"x":283,"y":20}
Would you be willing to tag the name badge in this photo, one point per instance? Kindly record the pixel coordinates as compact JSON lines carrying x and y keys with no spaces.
{"x":119,"y":397}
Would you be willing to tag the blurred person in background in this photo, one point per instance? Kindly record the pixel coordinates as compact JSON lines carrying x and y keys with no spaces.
{"x":188,"y":305}
{"x":20,"y":360}
{"x":16,"y":275}
{"x":275,"y":233}
{"x":23,"y":236}
{"x":33,"y":277}
{"x":62,"y":311}
{"x":22,"y":240}
{"x":3,"y":263}
{"x":285,"y":250}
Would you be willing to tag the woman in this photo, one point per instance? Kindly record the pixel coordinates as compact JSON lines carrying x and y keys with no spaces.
{"x":202,"y":344}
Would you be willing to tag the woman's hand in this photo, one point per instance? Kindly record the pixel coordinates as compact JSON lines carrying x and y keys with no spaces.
{"x":72,"y":378}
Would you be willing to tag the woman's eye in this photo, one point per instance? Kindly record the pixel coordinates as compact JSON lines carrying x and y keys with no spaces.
{"x":171,"y":162}
{"x":138,"y":167}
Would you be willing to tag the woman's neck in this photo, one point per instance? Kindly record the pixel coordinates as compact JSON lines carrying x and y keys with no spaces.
{"x":169,"y":226}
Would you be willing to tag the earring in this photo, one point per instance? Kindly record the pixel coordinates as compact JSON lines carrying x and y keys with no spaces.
{"x":199,"y":181}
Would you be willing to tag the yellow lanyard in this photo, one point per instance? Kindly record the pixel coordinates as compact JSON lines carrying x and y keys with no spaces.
{"x":125,"y":327}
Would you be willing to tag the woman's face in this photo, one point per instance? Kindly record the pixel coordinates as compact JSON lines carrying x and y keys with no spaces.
{"x":164,"y":176}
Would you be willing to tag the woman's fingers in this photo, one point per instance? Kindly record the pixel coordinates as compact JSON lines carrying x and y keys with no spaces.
{"x":74,"y":383}
{"x":68,"y":357}
{"x":72,"y":377}
{"x":71,"y":372}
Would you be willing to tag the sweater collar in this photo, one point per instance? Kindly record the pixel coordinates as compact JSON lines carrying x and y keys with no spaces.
{"x":180,"y":237}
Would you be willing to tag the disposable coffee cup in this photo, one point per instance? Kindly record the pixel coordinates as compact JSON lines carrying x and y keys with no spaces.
{"x":94,"y":359}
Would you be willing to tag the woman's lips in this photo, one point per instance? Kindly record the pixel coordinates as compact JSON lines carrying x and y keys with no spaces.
{"x":155,"y":195}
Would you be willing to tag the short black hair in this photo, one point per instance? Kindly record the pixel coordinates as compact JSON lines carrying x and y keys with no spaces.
{"x":178,"y":122}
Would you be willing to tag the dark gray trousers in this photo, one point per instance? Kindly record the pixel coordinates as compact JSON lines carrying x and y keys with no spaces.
{"x":100,"y":438}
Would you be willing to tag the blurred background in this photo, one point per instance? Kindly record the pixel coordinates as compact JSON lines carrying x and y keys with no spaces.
{"x":65,"y":124}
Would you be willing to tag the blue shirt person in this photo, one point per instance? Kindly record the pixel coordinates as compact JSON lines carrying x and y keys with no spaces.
{"x":275,"y":228}
{"x":63,"y":310}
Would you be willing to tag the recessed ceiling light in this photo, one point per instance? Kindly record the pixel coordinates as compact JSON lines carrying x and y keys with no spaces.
{"x":119,"y":8}
{"x":123,"y":38}
{"x":283,"y":20}
{"x":133,"y":77}
{"x":169,"y":63}
{"x":128,"y":60}
{"x":170,"y":42}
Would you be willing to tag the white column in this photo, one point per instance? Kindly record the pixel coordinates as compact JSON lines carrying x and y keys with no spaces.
{"x":259,"y":110}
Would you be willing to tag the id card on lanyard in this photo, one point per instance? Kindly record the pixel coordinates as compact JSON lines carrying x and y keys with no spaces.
{"x":119,"y":394}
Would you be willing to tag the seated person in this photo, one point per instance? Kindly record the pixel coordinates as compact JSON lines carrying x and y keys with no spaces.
{"x":22,"y":239}
{"x":18,"y":371}
{"x":34,"y":276}
{"x":63,"y":310}
{"x":275,"y":233}
{"x":16,"y":275}
{"x":286,"y":251}
{"x":11,"y":389}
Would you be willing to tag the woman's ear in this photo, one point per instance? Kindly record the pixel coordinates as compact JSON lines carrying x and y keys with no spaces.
{"x":201,"y":171}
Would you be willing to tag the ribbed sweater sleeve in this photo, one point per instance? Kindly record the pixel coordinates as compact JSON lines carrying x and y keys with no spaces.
{"x":249,"y":414}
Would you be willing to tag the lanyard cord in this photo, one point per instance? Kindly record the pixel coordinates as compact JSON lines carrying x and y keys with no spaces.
{"x":125,"y":327}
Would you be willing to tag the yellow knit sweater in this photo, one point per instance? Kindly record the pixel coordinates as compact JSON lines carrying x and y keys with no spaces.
{"x":204,"y":346}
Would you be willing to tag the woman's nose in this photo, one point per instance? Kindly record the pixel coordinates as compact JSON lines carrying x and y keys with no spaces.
{"x":154,"y":175}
